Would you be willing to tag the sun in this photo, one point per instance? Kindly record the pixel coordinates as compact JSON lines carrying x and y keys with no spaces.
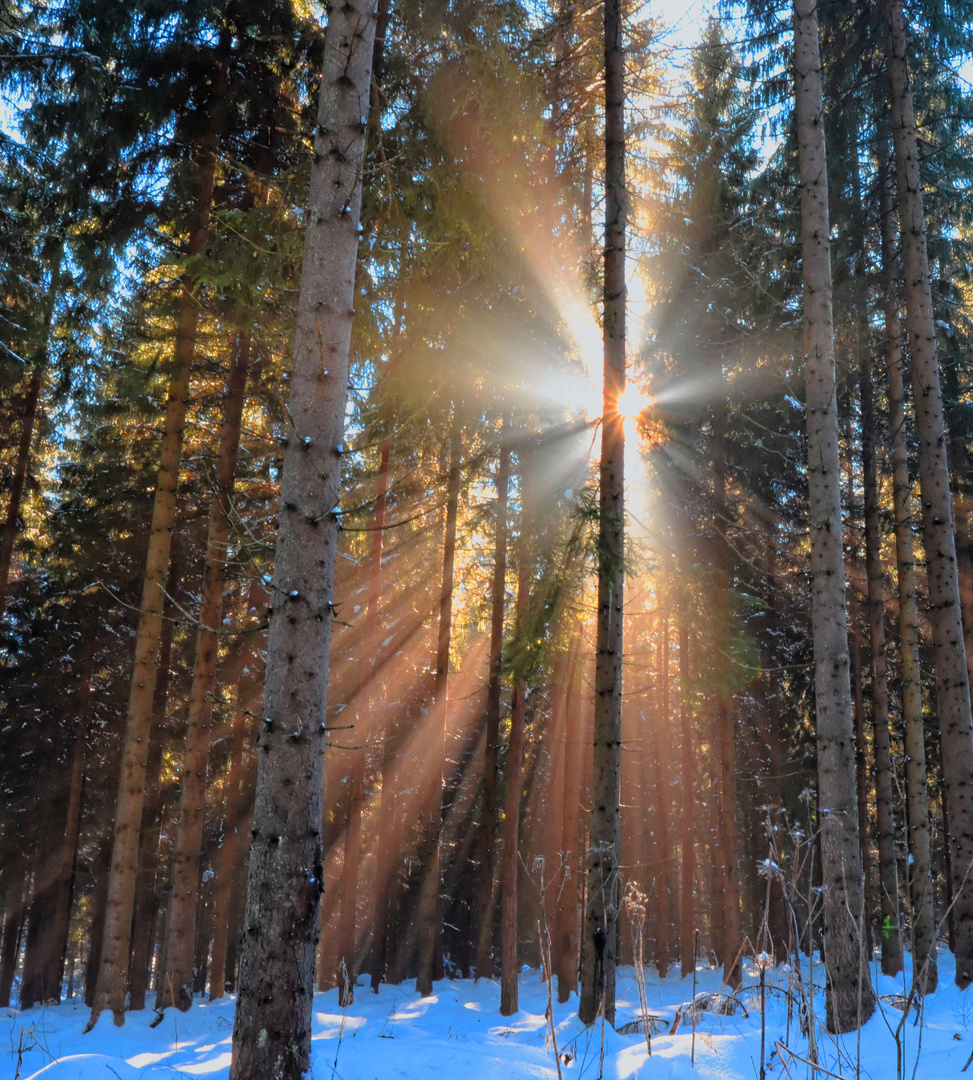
{"x":632,"y":402}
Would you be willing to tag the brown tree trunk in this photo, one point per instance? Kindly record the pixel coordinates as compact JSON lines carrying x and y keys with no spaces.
{"x":272,"y":1024}
{"x":850,"y":998}
{"x":113,"y":967}
{"x":18,"y":483}
{"x":862,"y":769}
{"x":509,"y":968}
{"x":660,"y":725}
{"x":924,"y":962}
{"x":430,"y":903}
{"x":14,"y":901}
{"x":888,"y":871}
{"x":183,"y":897}
{"x":948,"y":648}
{"x":598,"y":955}
{"x":231,"y":854}
{"x":55,"y":947}
{"x":146,"y":886}
{"x":488,"y":820}
{"x":11,"y":525}
{"x":767,"y":735}
{"x":365,"y":724}
{"x":688,"y":805}
{"x":570,"y":894}
{"x":727,"y":797}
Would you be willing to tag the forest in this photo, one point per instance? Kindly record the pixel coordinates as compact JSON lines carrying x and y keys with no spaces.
{"x":482,"y":487}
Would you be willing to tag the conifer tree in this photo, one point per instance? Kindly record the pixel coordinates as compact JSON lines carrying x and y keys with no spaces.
{"x":952,"y":676}
{"x":271,"y":1035}
{"x":598,"y":952}
{"x":850,"y":998}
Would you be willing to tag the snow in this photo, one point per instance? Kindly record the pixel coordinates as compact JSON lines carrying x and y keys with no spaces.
{"x":458,"y":1034}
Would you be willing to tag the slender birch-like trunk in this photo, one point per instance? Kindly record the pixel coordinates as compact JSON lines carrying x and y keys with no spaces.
{"x":850,"y":998}
{"x":948,"y":646}
{"x":272,"y":1023}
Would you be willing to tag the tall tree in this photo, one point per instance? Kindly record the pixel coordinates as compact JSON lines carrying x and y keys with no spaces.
{"x":917,"y":789}
{"x":850,"y":998}
{"x":948,"y":644}
{"x":598,"y":952}
{"x":184,"y":892}
{"x":272,"y":1024}
{"x":113,"y":969}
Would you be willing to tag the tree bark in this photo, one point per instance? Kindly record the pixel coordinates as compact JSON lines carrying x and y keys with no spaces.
{"x":948,"y":647}
{"x":488,"y":820}
{"x":598,"y":953}
{"x":510,"y":860}
{"x":875,"y":572}
{"x":14,"y":900}
{"x":688,"y":805}
{"x":917,"y":790}
{"x":430,"y":904}
{"x":113,"y":967}
{"x":272,"y":1024}
{"x":571,"y":894}
{"x":183,"y":897}
{"x":232,"y":853}
{"x":850,"y":999}
{"x":11,"y":524}
{"x":147,"y":905}
{"x":364,"y":725}
{"x":727,"y":797}
{"x":55,"y":947}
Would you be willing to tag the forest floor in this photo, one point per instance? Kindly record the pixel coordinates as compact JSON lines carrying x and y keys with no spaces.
{"x":458,"y":1034}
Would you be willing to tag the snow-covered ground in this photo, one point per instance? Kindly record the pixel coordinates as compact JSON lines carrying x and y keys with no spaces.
{"x":458,"y":1034}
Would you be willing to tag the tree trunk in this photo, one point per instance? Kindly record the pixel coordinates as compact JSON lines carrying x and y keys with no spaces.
{"x":663,"y":764}
{"x":888,"y":871}
{"x":430,"y":904}
{"x":14,"y":900}
{"x":488,"y":820}
{"x":11,"y":524}
{"x":96,"y":933}
{"x":729,"y":905}
{"x":231,"y":855}
{"x":917,"y":792}
{"x":688,"y":805}
{"x":510,"y":861}
{"x":146,"y":886}
{"x":863,"y":775}
{"x":570,"y":896}
{"x":272,"y":1024}
{"x":113,"y":967}
{"x":604,"y":887}
{"x":948,"y":648}
{"x":365,"y":724}
{"x":850,"y":998}
{"x":55,"y":947}
{"x":183,"y":897}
